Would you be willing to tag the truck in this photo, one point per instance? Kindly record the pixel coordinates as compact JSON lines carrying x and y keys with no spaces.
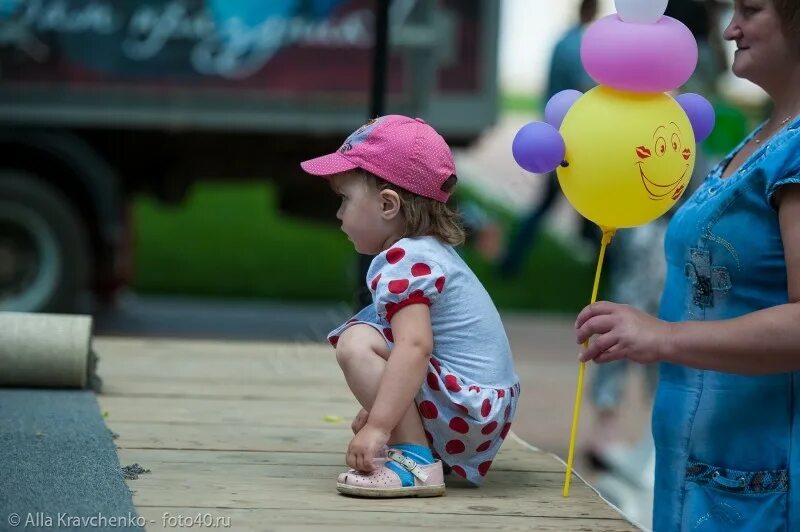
{"x":104,"y":100}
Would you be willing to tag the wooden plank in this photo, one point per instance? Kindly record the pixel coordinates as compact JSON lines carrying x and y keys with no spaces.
{"x":274,"y":412}
{"x":117,"y":385}
{"x":283,"y":357}
{"x":292,"y":487}
{"x":279,"y":520}
{"x":510,"y":458}
{"x":221,"y":437}
{"x":228,"y":437}
{"x":239,"y":429}
{"x":290,"y":369}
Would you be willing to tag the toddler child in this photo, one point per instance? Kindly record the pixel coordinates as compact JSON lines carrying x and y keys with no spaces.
{"x":429,"y":360}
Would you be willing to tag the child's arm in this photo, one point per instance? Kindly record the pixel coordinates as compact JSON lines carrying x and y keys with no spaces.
{"x":402,"y":378}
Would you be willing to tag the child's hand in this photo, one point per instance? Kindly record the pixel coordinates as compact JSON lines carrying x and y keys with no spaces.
{"x":359,"y":421}
{"x":364,"y":447}
{"x":622,"y":332}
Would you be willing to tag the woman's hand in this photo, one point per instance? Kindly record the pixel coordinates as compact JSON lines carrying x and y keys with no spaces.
{"x":622,"y":332}
{"x":364,"y":447}
{"x":359,"y":421}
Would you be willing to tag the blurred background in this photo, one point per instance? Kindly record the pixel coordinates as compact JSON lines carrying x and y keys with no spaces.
{"x":149,"y":175}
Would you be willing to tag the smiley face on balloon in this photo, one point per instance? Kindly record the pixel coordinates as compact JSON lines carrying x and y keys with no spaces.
{"x":655,"y":175}
{"x":625,"y":150}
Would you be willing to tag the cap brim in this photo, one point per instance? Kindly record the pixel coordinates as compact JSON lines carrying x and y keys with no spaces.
{"x":328,"y":165}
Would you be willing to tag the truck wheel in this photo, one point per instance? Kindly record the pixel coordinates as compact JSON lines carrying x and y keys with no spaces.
{"x":44,"y":250}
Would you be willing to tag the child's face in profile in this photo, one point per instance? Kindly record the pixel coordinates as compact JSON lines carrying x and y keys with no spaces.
{"x":362,"y":213}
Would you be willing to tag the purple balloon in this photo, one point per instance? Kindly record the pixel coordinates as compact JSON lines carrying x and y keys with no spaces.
{"x":538,"y":147}
{"x":700,"y":113}
{"x":556,"y":109}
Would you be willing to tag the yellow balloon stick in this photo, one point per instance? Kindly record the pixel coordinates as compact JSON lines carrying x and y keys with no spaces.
{"x":608,"y":234}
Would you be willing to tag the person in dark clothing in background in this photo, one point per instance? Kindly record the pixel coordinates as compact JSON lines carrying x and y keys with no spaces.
{"x":566,"y":72}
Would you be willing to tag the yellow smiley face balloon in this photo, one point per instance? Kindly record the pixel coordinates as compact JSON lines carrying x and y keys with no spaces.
{"x":630,"y":156}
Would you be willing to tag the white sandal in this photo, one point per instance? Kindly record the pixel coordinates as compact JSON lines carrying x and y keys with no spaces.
{"x":385,"y":483}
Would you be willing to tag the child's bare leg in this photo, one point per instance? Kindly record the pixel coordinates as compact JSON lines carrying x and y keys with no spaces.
{"x":362,"y":354}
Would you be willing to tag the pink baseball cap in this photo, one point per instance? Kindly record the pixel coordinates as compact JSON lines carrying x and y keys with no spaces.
{"x":404,"y":151}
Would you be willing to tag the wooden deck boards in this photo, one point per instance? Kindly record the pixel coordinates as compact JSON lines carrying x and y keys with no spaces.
{"x":254,"y":433}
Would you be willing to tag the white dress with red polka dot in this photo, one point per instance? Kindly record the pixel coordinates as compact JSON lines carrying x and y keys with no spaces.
{"x":469,"y":397}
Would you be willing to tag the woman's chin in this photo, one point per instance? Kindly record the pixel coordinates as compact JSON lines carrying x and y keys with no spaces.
{"x":741,"y":66}
{"x":740,"y":72}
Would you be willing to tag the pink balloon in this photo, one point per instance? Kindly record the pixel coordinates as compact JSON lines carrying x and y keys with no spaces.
{"x":655,"y":57}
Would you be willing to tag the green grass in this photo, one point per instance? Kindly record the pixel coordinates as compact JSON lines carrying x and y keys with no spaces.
{"x":521,"y":103}
{"x":228,"y":240}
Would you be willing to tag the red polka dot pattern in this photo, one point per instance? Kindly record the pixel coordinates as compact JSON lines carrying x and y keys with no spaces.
{"x":489,"y":428}
{"x":455,"y":447}
{"x":440,"y":284}
{"x":463,"y":421}
{"x":420,"y":269}
{"x":417,"y":295}
{"x":428,"y":410}
{"x":459,"y":425}
{"x":433,"y":382}
{"x":451,"y":383}
{"x":398,"y":286}
{"x":395,"y":255}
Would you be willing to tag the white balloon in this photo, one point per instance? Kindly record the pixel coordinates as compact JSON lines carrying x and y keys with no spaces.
{"x":641,"y":11}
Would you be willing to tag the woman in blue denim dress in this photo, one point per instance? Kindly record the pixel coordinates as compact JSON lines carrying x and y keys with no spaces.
{"x":726,"y":418}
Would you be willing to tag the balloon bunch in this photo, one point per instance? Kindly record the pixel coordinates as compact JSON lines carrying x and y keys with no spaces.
{"x":625,"y":150}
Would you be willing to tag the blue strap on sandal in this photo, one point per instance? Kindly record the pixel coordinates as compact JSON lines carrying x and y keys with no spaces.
{"x":405,"y":462}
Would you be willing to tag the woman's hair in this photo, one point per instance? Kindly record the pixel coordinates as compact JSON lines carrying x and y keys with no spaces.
{"x":789,"y":13}
{"x":426,"y":216}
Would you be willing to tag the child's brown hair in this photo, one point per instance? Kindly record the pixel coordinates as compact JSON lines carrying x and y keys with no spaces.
{"x":425,"y":216}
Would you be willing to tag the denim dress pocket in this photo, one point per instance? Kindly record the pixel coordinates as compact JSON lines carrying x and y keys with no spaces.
{"x":723,"y":499}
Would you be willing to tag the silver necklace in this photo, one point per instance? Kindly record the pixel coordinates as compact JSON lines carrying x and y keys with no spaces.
{"x":783,"y":123}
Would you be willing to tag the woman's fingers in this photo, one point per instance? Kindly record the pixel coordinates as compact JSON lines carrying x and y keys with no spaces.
{"x":598,"y":346}
{"x":595,"y":309}
{"x":610,"y":355}
{"x":599,"y":324}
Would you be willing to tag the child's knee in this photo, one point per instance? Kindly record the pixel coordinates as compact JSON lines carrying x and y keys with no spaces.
{"x":357,"y":342}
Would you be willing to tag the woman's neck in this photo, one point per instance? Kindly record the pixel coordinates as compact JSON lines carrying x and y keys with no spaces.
{"x":785,"y":95}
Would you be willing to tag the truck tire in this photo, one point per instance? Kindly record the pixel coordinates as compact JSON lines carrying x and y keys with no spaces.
{"x":44,"y":250}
